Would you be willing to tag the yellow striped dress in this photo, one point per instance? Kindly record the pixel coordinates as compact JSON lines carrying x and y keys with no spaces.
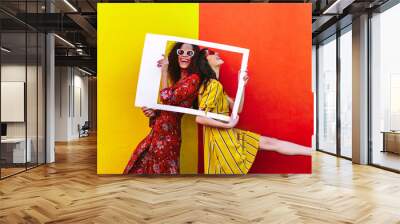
{"x":226,"y":151}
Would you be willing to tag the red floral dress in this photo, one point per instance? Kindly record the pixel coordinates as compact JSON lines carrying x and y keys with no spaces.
{"x":159,"y":152}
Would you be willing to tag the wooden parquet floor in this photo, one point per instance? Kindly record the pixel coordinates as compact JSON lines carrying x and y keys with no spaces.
{"x":69,"y":191}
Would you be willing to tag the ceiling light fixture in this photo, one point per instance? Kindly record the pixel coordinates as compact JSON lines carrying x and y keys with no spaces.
{"x":5,"y":50}
{"x":70,"y":5}
{"x":337,"y":7}
{"x":65,"y":41}
{"x":79,"y":51}
{"x":84,"y":71}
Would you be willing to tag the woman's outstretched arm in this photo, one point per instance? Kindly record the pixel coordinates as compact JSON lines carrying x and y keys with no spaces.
{"x":217,"y":124}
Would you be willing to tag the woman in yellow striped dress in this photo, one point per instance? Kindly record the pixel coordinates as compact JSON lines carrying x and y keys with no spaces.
{"x":228,"y":150}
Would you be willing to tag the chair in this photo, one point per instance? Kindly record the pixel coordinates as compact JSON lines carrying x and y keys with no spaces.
{"x":84,"y":130}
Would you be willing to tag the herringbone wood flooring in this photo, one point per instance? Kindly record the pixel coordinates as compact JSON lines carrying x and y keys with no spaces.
{"x":69,"y":191}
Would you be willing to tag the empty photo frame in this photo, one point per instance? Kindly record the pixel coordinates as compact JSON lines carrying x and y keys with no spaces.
{"x":150,"y":75}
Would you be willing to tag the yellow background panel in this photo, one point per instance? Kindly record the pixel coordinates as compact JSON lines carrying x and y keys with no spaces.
{"x":121,"y":32}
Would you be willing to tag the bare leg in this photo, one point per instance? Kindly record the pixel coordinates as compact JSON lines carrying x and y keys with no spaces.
{"x":283,"y":147}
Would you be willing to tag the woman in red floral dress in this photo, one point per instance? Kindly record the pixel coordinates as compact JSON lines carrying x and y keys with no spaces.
{"x":159,"y":152}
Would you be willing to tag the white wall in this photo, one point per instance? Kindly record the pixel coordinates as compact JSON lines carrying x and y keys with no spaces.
{"x":62,"y":82}
{"x":71,"y":102}
{"x":81,"y":103}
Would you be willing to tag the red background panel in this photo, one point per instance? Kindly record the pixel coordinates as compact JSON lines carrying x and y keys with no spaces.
{"x":278,"y":100}
{"x":229,"y":71}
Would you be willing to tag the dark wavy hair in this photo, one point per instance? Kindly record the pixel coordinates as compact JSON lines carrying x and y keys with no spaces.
{"x":205,"y":70}
{"x":173,"y":68}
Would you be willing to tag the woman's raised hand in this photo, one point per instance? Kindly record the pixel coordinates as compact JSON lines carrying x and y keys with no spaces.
{"x":245,"y":77}
{"x":163,"y":63}
{"x":148,"y":112}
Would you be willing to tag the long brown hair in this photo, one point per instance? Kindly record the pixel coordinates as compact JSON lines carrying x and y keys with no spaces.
{"x":205,"y":70}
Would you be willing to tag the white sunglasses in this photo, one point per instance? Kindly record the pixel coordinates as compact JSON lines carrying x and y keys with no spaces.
{"x":182,"y":52}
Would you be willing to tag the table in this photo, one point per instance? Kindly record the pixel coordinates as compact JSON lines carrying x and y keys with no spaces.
{"x":391,"y":141}
{"x":13,"y":150}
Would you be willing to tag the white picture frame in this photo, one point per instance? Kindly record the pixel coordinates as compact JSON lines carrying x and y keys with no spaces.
{"x":150,"y":75}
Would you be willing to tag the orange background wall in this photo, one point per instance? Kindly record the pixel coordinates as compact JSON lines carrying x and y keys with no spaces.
{"x":279,"y":100}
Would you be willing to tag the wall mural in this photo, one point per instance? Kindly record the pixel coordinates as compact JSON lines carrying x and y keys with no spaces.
{"x":204,"y":88}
